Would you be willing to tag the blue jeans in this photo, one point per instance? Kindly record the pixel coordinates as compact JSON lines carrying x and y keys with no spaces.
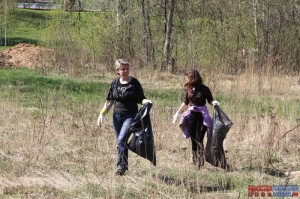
{"x":121,"y":122}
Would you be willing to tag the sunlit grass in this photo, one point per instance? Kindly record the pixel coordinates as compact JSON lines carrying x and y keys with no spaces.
{"x":51,"y":141}
{"x":26,"y":29}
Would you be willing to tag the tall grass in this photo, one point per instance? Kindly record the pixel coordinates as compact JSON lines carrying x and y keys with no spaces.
{"x":51,"y":147}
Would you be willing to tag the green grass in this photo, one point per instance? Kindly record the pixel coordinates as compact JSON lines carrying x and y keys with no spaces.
{"x":33,"y":87}
{"x":30,"y":84}
{"x":32,"y":26}
{"x":5,"y":164}
{"x":26,"y":26}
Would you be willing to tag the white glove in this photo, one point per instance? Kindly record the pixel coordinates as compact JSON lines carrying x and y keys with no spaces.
{"x":146,"y":101}
{"x":175,"y":117}
{"x":100,"y":119}
{"x":215,"y":103}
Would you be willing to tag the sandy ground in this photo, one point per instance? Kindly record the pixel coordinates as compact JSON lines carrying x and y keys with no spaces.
{"x":27,"y":55}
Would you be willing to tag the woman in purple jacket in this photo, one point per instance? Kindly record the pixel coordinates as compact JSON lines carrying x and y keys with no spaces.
{"x":196,"y":120}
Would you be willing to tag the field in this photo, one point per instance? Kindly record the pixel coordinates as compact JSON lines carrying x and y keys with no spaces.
{"x":51,"y":147}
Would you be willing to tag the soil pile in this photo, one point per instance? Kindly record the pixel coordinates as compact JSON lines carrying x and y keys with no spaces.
{"x":27,"y":55}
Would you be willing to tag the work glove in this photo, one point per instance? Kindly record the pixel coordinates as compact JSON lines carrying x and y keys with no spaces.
{"x":100,"y":119}
{"x":215,"y":103}
{"x":146,"y":101}
{"x":175,"y":117}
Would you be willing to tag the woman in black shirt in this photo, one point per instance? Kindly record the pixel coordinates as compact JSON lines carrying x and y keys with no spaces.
{"x":197,"y":117}
{"x":125,"y":93}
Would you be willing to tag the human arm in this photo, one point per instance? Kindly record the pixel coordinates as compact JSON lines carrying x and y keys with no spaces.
{"x":108,"y":104}
{"x":181,"y":108}
{"x":210,"y":99}
{"x":141,"y":99}
{"x":141,"y":94}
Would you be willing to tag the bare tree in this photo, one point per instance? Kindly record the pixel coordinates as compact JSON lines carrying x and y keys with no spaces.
{"x":168,"y":36}
{"x":145,"y":32}
{"x":5,"y":21}
{"x":73,"y":5}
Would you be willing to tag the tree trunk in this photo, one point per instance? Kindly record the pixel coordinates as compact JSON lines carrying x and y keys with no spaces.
{"x":119,"y":39}
{"x":73,"y":5}
{"x":145,"y":31}
{"x":0,"y":35}
{"x":256,"y":41}
{"x":168,"y":36}
{"x":5,"y":23}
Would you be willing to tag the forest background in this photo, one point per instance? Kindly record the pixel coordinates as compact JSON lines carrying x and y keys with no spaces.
{"x":247,"y":52}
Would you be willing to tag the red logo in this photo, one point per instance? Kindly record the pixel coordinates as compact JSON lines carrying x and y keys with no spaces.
{"x":295,"y":194}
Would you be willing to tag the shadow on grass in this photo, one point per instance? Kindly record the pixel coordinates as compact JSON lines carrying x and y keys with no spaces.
{"x":269,"y":171}
{"x":274,"y":172}
{"x":12,"y":41}
{"x":193,"y":186}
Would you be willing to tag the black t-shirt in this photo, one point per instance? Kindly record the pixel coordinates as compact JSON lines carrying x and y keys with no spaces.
{"x":126,"y":96}
{"x":198,"y":96}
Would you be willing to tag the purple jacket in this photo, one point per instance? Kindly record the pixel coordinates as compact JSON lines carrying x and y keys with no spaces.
{"x":183,"y":121}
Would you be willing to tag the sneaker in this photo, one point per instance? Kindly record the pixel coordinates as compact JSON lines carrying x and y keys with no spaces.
{"x":120,"y":172}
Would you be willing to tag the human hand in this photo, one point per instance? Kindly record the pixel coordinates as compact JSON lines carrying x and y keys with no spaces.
{"x":100,"y":119}
{"x":146,"y":101}
{"x":215,"y":103}
{"x":175,"y":117}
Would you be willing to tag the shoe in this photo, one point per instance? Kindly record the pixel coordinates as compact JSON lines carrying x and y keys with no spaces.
{"x":120,"y":172}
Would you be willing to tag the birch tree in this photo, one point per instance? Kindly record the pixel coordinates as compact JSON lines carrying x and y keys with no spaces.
{"x":4,"y":21}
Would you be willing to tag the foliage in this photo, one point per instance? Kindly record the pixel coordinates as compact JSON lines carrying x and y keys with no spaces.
{"x":51,"y":146}
{"x":230,"y":36}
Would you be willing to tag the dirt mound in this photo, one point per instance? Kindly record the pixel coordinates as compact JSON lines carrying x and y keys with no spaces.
{"x":27,"y":55}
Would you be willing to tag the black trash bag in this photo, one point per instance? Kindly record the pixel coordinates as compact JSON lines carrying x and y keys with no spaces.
{"x":214,"y":151}
{"x":142,"y":140}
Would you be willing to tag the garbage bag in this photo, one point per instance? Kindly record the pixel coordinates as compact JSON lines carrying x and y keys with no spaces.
{"x":214,"y":151}
{"x":142,"y":140}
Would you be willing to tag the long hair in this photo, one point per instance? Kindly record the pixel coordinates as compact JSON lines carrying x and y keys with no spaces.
{"x":194,"y":79}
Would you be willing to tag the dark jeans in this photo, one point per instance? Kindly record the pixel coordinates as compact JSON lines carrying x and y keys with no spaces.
{"x":121,"y":122}
{"x":196,"y":130}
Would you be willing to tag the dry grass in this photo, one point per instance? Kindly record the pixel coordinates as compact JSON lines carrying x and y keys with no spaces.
{"x":50,"y":153}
